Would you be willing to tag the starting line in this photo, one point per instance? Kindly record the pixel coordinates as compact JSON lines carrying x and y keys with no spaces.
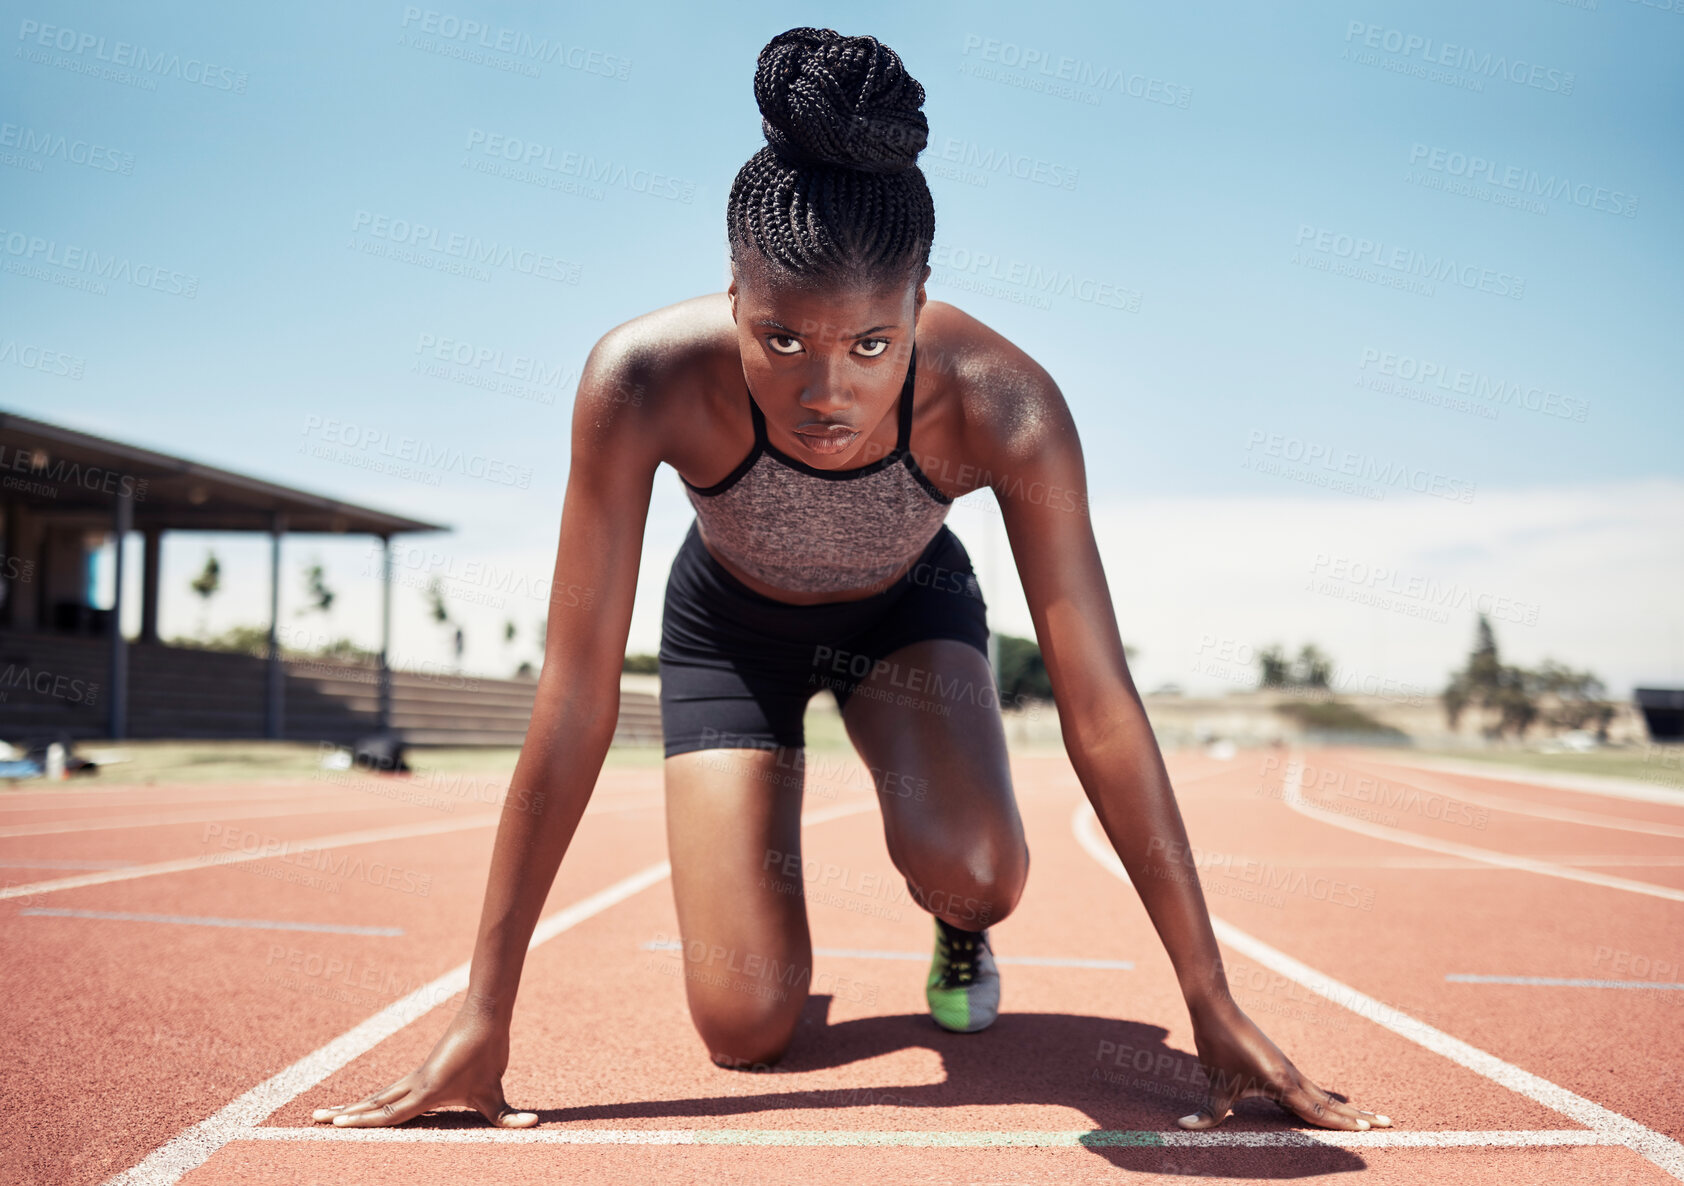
{"x":1091,"y":1139}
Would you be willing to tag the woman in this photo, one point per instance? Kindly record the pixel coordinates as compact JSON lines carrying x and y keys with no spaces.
{"x":789,"y":406}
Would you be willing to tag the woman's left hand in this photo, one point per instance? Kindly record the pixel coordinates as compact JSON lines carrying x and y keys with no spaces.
{"x":1242,"y":1063}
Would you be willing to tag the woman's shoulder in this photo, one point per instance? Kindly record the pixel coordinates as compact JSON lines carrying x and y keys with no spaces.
{"x":659,"y":360}
{"x":992,"y":400}
{"x":653,"y":388}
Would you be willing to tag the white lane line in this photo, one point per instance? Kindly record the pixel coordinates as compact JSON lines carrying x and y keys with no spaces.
{"x":1588,"y":784}
{"x":1033,"y":961}
{"x":254,"y":924}
{"x":157,"y":820}
{"x":1559,"y":982}
{"x":267,"y":851}
{"x":1092,"y":1138}
{"x":377,"y":800}
{"x":239,"y":1120}
{"x":1665,"y":1152}
{"x":274,"y":848}
{"x":1292,"y":795}
{"x":1566,"y":815}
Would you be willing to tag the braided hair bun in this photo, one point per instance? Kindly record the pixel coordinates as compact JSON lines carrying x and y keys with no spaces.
{"x":836,"y":195}
{"x":826,"y":99}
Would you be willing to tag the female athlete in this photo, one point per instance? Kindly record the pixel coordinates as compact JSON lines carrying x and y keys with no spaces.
{"x":823,"y":415}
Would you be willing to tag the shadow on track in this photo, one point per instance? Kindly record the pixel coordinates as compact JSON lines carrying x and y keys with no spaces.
{"x":1118,"y":1073}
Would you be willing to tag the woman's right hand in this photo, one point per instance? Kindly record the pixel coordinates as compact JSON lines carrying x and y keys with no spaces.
{"x":465,"y":1068}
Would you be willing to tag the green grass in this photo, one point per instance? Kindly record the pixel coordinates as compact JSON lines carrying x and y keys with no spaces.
{"x":148,"y":762}
{"x":1657,"y":763}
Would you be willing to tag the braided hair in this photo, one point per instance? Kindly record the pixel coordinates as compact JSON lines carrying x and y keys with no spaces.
{"x":836,"y":196}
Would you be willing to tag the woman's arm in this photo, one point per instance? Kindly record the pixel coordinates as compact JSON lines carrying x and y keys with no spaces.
{"x":616,"y":450}
{"x":1033,"y":460}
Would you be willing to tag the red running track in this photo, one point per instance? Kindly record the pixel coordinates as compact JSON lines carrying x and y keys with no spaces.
{"x":1347,"y":890}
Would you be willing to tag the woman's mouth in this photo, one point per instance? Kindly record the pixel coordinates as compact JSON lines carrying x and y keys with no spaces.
{"x":826,"y":441}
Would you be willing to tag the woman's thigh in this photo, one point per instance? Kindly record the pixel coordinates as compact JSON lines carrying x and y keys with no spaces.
{"x":734,"y":838}
{"x":937,"y":755}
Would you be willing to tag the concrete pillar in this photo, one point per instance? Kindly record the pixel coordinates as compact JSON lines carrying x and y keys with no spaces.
{"x":153,"y":538}
{"x":118,"y":700}
{"x":274,"y":710}
{"x":385,"y":632}
{"x":14,"y":563}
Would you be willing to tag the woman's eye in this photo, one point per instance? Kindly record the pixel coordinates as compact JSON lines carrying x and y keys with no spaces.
{"x":881,"y":344}
{"x":776,"y":338}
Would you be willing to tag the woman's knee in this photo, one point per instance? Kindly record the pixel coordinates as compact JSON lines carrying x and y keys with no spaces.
{"x":751,"y":1028}
{"x":972,"y":883}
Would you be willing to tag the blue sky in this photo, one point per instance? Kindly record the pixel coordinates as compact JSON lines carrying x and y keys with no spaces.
{"x":1208,"y":194}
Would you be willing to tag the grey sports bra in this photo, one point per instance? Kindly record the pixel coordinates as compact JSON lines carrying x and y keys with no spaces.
{"x":811,"y":530}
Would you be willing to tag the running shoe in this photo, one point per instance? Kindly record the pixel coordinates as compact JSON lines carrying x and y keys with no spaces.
{"x":964,"y":985}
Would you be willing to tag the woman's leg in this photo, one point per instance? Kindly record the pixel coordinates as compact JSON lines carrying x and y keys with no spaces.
{"x":734,"y":837}
{"x":938,"y":757}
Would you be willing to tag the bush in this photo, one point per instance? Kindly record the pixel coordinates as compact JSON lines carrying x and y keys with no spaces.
{"x":1335,"y":716}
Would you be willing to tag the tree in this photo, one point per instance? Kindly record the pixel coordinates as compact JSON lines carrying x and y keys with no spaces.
{"x":1273,"y":669}
{"x":206,"y":585}
{"x":1023,"y":674}
{"x":1578,"y":698}
{"x":439,"y":611}
{"x":319,"y":596}
{"x":1554,"y":693}
{"x":1485,"y":684}
{"x":1311,"y":669}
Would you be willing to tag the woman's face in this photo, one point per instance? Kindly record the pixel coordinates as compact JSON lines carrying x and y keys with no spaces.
{"x":826,"y":365}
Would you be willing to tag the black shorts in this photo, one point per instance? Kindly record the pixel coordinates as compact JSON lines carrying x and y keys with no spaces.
{"x":738,"y":667}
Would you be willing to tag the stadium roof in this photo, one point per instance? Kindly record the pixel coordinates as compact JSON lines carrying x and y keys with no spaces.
{"x":51,"y":467}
